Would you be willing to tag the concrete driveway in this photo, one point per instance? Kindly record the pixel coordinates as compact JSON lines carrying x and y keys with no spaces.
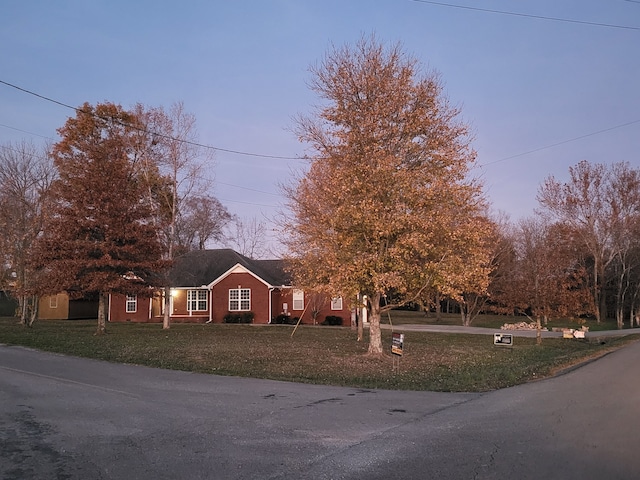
{"x":69,"y":418}
{"x":491,"y":331}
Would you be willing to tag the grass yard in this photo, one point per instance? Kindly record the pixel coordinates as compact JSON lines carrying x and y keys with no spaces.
{"x":321,"y":355}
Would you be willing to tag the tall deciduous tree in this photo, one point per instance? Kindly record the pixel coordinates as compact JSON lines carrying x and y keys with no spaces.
{"x":386,"y":204}
{"x":503,"y":286}
{"x":248,"y":237}
{"x":201,"y":220}
{"x":624,"y":196}
{"x":551,"y":280}
{"x":26,"y":174}
{"x":188,"y":214}
{"x":99,"y":237}
{"x":598,"y":203}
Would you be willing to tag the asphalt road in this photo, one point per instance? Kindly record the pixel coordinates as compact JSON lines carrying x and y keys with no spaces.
{"x":68,"y":418}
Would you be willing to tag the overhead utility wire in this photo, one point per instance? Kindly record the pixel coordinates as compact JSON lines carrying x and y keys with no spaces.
{"x":302,"y":158}
{"x":35,"y":155}
{"x":511,"y":157}
{"x":481,"y":165}
{"x":558,"y":144}
{"x":168,"y":137}
{"x":249,"y":203}
{"x":24,"y":131}
{"x":527,"y":15}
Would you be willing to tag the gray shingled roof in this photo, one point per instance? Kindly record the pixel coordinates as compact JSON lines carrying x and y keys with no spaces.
{"x":201,"y":267}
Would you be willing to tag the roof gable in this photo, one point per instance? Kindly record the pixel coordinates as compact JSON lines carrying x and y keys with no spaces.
{"x":237,"y":268}
{"x":206,"y":267}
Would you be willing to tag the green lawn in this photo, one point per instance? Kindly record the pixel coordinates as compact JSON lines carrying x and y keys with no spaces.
{"x":322,"y":355}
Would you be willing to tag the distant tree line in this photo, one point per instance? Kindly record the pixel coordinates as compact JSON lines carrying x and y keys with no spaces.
{"x":580,"y":254}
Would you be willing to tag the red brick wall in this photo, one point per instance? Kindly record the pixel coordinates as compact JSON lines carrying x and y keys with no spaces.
{"x":286,"y":296}
{"x":220,"y":304}
{"x":180,"y":314}
{"x":118,"y":313}
{"x":259,"y":297}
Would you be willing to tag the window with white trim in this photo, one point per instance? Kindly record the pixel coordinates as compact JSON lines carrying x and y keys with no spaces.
{"x":132,"y":304}
{"x":336,"y":303}
{"x":239,"y":299}
{"x":197,"y":300}
{"x":298,"y":299}
{"x":53,"y":301}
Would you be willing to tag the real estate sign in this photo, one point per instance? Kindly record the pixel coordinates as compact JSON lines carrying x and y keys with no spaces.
{"x":503,"y":339}
{"x":397,"y":342}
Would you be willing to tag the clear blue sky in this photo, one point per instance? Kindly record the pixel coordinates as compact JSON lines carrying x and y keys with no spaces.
{"x":241,"y":67}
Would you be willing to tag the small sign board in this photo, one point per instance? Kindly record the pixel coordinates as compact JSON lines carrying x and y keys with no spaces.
{"x":503,"y":339}
{"x":397,"y":342}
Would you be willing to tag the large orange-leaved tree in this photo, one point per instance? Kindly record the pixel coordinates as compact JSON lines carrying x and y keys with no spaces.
{"x":386,"y":204}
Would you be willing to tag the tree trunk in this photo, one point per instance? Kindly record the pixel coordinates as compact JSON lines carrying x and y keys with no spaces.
{"x":361,"y":306}
{"x":166,"y":318}
{"x":619,"y":317}
{"x":103,"y":301}
{"x":538,"y":331}
{"x":438,"y":308}
{"x":596,"y":289}
{"x":34,"y":310}
{"x":22,"y":305}
{"x":603,"y":306}
{"x":375,"y":334}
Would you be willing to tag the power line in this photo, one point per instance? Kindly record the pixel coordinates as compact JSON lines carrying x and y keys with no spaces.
{"x":303,"y":158}
{"x":482,"y":165}
{"x":558,"y":143}
{"x":49,"y":138}
{"x":160,"y":135}
{"x":248,"y":203}
{"x":24,"y":131}
{"x":526,"y":15}
{"x":40,"y":157}
{"x":247,"y":188}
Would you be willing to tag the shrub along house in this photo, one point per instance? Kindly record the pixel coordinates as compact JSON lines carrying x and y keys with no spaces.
{"x":222,"y":285}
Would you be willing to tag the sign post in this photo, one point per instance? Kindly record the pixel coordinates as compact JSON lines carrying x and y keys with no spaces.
{"x":397,"y":343}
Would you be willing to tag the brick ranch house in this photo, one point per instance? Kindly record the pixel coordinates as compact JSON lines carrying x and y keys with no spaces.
{"x":207,"y":285}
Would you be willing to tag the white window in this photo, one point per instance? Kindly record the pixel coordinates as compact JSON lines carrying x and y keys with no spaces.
{"x":132,"y":304}
{"x":336,"y":303}
{"x":239,"y":299}
{"x":298,"y":300}
{"x":53,"y":301}
{"x":197,"y":300}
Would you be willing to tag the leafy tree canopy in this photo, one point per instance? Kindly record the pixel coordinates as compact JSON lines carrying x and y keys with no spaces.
{"x":98,"y":235}
{"x":386,"y":203}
